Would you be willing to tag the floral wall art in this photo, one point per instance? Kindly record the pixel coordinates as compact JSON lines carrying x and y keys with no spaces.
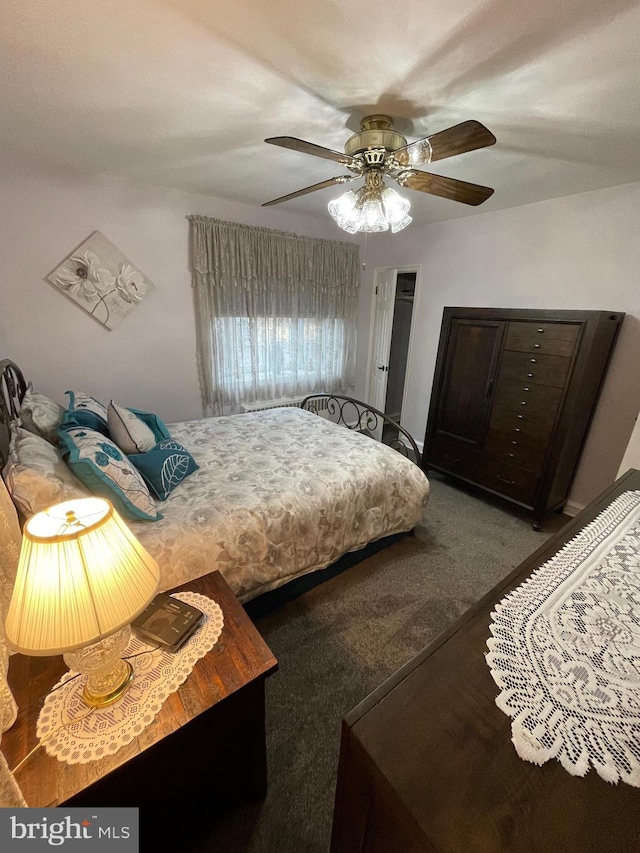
{"x":100,"y":279}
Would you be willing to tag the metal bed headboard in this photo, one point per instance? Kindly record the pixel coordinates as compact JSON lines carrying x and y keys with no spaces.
{"x":12,"y":388}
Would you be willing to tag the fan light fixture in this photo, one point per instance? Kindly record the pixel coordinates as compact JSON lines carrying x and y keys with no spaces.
{"x":375,"y":207}
{"x":379,"y":152}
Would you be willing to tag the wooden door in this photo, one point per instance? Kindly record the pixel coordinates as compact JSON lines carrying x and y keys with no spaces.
{"x":382,"y":327}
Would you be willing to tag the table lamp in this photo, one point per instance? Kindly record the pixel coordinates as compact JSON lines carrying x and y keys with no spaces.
{"x":82,"y":578}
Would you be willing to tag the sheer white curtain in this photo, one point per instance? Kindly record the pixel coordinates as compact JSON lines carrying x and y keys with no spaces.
{"x":276,"y":313}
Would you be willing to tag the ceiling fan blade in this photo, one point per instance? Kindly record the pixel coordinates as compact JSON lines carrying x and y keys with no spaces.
{"x":340,"y":179}
{"x":467,"y":136}
{"x":310,"y":148}
{"x":450,"y":188}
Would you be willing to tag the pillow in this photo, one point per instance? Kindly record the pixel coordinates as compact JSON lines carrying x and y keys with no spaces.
{"x":36,"y":475}
{"x":164,"y":467}
{"x":103,"y":468}
{"x":129,"y":432}
{"x":155,"y":424}
{"x":85,"y":411}
{"x":40,"y":414}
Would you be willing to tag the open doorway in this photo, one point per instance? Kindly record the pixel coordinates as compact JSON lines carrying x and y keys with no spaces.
{"x":392,"y":317}
{"x":399,"y":349}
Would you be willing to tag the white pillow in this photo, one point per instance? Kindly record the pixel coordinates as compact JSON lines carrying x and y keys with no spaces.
{"x":40,"y":414}
{"x":126,"y":429}
{"x":36,"y":475}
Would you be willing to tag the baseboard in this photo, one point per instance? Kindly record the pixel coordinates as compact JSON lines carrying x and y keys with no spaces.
{"x":572,"y":509}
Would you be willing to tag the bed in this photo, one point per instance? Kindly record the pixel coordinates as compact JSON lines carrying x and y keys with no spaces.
{"x":270,"y":496}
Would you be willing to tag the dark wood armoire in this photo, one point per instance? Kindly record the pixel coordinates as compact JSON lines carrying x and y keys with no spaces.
{"x":513,"y":395}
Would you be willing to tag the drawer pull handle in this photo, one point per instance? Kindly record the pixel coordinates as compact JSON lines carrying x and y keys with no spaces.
{"x":533,"y":360}
{"x":521,"y":417}
{"x":513,"y":441}
{"x":504,"y":480}
{"x":537,"y":346}
{"x":523,"y":402}
{"x":541,"y":331}
{"x":526,"y":389}
{"x":530,"y":375}
{"x":517,"y":429}
{"x":512,"y":456}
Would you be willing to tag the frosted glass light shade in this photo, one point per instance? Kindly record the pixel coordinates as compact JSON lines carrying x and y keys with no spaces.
{"x":373,"y":216}
{"x":344,"y":211}
{"x":370,"y":210}
{"x":82,"y":575}
{"x":396,"y":209}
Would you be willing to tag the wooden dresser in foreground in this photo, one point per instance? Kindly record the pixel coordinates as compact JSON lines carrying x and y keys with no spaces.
{"x":513,"y":395}
{"x":427,"y":764}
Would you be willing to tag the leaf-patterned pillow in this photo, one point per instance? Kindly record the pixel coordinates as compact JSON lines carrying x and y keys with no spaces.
{"x":106,"y":471}
{"x":164,"y":467}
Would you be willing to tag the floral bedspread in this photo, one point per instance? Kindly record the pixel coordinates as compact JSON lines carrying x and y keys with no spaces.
{"x":278,"y":493}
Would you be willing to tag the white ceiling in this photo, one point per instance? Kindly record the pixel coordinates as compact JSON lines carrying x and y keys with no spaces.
{"x":182,"y":93}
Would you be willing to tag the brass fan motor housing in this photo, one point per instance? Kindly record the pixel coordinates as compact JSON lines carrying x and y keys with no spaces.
{"x":376,"y":133}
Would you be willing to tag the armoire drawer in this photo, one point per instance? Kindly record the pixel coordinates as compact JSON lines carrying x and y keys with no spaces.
{"x":543,"y":338}
{"x":521,"y":422}
{"x":528,"y":397}
{"x":455,"y":457}
{"x":515,"y":483}
{"x":516,"y":449}
{"x":541,"y":369}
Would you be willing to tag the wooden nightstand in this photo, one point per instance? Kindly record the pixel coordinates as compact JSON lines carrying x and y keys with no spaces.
{"x":205,"y":748}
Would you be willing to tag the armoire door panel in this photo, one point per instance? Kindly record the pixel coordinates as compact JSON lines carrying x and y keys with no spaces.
{"x":465,"y":396}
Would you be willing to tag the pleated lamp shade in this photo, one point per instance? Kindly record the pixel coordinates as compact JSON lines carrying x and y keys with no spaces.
{"x":82,"y":575}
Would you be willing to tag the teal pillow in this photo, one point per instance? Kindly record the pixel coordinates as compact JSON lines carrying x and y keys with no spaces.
{"x":164,"y":467}
{"x":85,"y":411}
{"x":106,"y":471}
{"x":155,"y":424}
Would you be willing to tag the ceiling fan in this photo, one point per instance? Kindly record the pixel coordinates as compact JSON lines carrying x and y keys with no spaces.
{"x":379,"y":152}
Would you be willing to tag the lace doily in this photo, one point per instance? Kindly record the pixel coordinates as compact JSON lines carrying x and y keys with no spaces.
{"x":73,"y":733}
{"x":565,"y":651}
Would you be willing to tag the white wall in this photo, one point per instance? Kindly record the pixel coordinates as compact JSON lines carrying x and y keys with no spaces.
{"x":149,"y":361}
{"x":631,"y":458}
{"x":578,"y":252}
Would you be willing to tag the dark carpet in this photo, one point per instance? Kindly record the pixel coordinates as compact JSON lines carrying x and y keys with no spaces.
{"x":339,"y":641}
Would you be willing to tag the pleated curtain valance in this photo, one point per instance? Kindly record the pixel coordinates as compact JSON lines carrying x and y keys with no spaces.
{"x":239,"y":254}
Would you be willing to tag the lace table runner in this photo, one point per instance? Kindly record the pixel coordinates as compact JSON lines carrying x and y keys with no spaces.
{"x":565,"y":651}
{"x":76,"y":734}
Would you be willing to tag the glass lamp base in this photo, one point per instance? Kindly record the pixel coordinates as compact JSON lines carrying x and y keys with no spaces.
{"x":108,"y":676}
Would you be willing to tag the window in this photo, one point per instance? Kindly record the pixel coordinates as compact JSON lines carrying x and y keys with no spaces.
{"x":294,"y":352}
{"x":276,"y":313}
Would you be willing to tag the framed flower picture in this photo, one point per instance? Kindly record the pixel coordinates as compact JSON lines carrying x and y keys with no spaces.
{"x":100,"y":279}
